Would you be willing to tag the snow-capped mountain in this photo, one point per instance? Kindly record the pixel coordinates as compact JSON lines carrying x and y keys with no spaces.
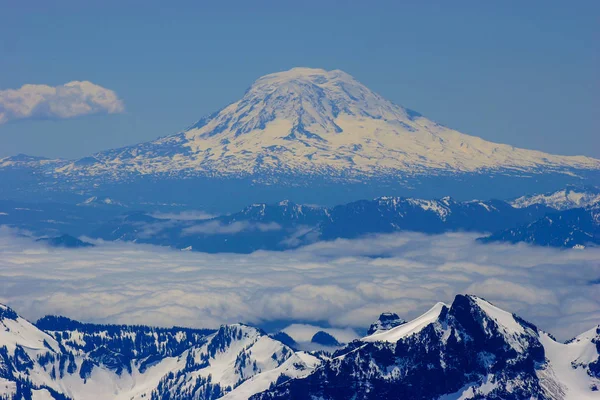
{"x":231,"y":365}
{"x":469,"y":350}
{"x":311,"y":121}
{"x":294,"y":128}
{"x":570,"y":197}
{"x":94,"y":201}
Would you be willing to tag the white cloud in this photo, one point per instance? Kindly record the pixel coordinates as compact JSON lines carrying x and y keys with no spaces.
{"x":219,"y":228}
{"x":346,"y":283}
{"x":57,"y":102}
{"x":191,"y":215}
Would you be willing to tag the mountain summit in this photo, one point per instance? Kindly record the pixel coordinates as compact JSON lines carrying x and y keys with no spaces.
{"x":305,"y":125}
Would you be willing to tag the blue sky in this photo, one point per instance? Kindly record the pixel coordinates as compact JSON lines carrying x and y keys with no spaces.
{"x":523,"y":73}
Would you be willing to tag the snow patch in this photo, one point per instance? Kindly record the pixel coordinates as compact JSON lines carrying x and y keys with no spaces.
{"x":408,"y":329}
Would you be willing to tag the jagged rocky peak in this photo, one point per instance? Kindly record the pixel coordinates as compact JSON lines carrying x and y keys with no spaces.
{"x":471,"y":349}
{"x":385,"y":322}
{"x":469,"y":315}
{"x":482,"y":319}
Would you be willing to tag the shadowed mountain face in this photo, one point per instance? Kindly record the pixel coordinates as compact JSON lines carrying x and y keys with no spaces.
{"x":469,"y":348}
{"x":578,"y":227}
{"x":300,"y":128}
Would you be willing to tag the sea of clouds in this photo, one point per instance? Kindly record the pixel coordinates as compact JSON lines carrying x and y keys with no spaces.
{"x":346,"y":283}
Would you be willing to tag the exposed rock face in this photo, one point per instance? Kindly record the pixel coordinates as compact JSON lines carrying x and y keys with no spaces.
{"x":385,"y":322}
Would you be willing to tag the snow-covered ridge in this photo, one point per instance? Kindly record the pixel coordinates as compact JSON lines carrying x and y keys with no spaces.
{"x":409,"y":328}
{"x":311,"y":122}
{"x":562,"y":199}
{"x":16,"y":331}
{"x":502,"y":320}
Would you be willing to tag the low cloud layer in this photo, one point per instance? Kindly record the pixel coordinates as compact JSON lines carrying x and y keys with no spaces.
{"x":70,"y":100}
{"x":347,"y":283}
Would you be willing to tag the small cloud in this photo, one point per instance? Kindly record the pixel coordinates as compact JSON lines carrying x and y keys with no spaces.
{"x":184,"y":215}
{"x":70,"y":100}
{"x":218,"y":228}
